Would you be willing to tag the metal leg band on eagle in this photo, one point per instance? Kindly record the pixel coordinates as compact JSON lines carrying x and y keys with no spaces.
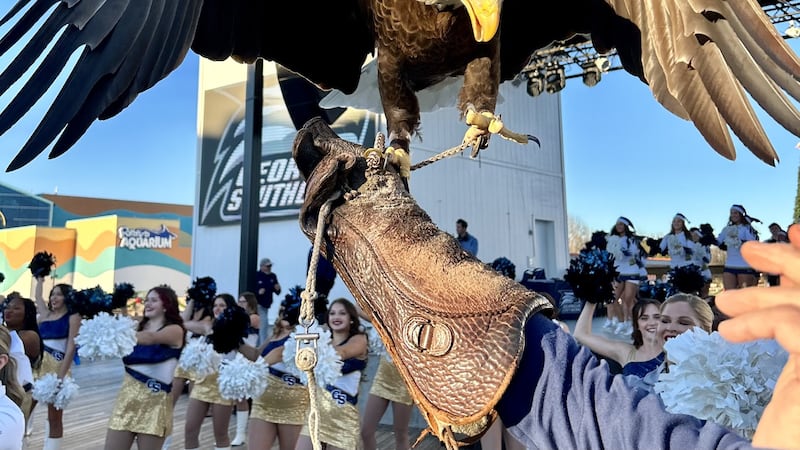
{"x":452,"y":325}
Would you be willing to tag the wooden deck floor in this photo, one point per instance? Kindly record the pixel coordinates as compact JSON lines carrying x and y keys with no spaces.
{"x":86,"y":417}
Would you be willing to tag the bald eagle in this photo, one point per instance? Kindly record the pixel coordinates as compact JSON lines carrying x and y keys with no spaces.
{"x":700,"y":58}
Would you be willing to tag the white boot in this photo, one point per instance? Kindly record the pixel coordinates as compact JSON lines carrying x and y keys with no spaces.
{"x":52,"y":444}
{"x":241,"y":428}
{"x":29,"y":425}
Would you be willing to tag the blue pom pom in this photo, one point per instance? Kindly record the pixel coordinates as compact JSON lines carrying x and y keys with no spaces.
{"x":42,"y":264}
{"x":592,"y":274}
{"x":203,"y":291}
{"x":505,"y":266}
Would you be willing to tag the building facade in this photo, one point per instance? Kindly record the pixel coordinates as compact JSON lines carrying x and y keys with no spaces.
{"x":512,"y":196}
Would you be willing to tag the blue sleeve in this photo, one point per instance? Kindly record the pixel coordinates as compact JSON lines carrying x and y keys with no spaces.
{"x":562,"y":397}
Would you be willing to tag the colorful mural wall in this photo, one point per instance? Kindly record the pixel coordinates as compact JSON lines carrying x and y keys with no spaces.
{"x":142,"y":252}
{"x":102,"y":242}
{"x":99,"y":251}
{"x":17,"y":247}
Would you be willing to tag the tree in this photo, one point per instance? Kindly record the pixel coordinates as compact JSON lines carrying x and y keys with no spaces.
{"x":578,"y":233}
{"x":797,"y":198}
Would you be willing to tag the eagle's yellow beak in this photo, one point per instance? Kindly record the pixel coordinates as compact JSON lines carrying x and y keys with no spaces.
{"x":485,"y":17}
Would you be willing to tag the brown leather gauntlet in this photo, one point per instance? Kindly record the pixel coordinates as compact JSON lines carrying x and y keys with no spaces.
{"x":452,"y":325}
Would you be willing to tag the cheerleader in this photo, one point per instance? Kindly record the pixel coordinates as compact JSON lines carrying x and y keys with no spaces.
{"x":678,"y":243}
{"x":737,"y":273}
{"x":388,"y":387}
{"x":701,"y":256}
{"x":12,"y":420}
{"x":20,"y":319}
{"x":280,"y":412}
{"x":338,"y":402}
{"x":143,"y":410}
{"x":628,"y":261}
{"x":248,"y":302}
{"x":197,"y":318}
{"x":58,"y":326}
{"x":228,"y":337}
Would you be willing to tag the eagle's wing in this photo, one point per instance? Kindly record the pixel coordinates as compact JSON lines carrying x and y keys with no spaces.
{"x":126,"y":46}
{"x":701,"y":59}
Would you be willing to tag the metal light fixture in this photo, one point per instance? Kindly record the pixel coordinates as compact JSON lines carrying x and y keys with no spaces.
{"x":602,"y":63}
{"x":535,"y":85}
{"x":555,"y":79}
{"x":591,"y":75}
{"x":793,"y":31}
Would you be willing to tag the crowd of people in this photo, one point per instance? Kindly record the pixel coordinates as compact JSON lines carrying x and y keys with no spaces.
{"x":685,"y":247}
{"x":42,"y":339}
{"x":39,"y":338}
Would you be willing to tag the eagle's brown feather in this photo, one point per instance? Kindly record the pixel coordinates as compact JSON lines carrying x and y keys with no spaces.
{"x":701,"y":58}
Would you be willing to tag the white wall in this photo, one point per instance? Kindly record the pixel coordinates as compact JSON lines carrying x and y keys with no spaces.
{"x":507,"y":188}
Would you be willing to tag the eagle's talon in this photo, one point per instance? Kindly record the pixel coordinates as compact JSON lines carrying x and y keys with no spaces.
{"x":400,"y":158}
{"x":496,"y":126}
{"x":489,"y":124}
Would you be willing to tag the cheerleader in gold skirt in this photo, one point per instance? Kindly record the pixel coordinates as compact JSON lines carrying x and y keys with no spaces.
{"x":338,"y":403}
{"x":197,"y":318}
{"x":387,"y":387}
{"x":247,"y":300}
{"x":227,"y":336}
{"x":280,"y":412}
{"x":58,"y":327}
{"x":143,"y":411}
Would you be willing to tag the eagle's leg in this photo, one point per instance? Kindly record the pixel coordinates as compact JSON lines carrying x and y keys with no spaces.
{"x":479,"y":95}
{"x":401,"y":108}
{"x":477,"y":101}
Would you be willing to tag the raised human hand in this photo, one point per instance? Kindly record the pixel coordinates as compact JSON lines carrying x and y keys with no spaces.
{"x":771,"y":313}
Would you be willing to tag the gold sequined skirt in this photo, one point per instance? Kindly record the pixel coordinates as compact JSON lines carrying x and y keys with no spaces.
{"x":207,"y":390}
{"x":281,"y":403}
{"x":185,"y":374}
{"x":388,"y":384}
{"x":140,"y":410}
{"x":48,"y":365}
{"x":339,"y":425}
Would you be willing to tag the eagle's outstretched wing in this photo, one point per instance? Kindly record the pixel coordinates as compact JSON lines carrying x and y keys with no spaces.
{"x":702,"y":58}
{"x":129,"y":45}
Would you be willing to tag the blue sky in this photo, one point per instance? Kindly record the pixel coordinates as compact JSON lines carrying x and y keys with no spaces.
{"x":624,"y":155}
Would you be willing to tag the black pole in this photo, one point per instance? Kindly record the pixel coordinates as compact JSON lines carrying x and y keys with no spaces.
{"x":253,"y":119}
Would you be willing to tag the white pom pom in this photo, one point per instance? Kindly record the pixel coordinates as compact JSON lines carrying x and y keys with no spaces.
{"x":329,"y":363}
{"x":712,"y":379}
{"x":376,"y":346}
{"x":68,"y":390}
{"x":241,"y":378}
{"x":49,"y":389}
{"x":199,"y":357}
{"x":45,"y":388}
{"x":106,"y":337}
